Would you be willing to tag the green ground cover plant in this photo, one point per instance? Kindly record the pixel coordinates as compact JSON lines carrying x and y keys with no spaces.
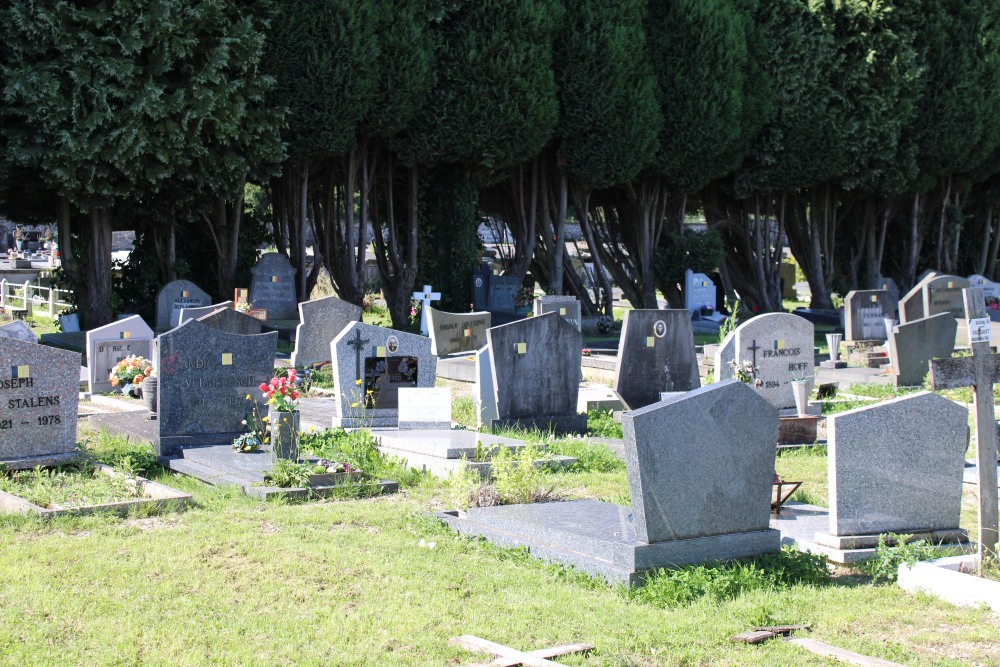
{"x":601,"y":424}
{"x":69,"y":486}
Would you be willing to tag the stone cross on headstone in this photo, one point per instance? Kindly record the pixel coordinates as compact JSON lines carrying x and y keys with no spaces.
{"x":357,"y":344}
{"x":980,"y":371}
{"x":425,"y":297}
{"x":753,"y":348}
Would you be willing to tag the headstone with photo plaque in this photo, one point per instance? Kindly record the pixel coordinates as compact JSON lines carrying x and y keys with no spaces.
{"x":655,"y":354}
{"x":370,"y":365}
{"x":781,"y":347}
{"x":108,"y":345}
{"x":38,"y":413}
{"x":320,"y":320}
{"x":173,"y":298}
{"x":205,"y":376}
{"x":457,"y":332}
{"x":272,"y":287}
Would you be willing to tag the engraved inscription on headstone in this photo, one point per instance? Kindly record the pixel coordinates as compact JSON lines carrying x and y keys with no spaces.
{"x":173,"y":298}
{"x":780,"y":346}
{"x":273,"y":287}
{"x":108,"y":345}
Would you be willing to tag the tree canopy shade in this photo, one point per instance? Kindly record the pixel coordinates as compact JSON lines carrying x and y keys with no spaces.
{"x":113,"y":101}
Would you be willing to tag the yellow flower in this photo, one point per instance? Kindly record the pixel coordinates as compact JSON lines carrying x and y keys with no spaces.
{"x":357,"y":382}
{"x":264,"y":419}
{"x":354,"y":404}
{"x":248,"y":397}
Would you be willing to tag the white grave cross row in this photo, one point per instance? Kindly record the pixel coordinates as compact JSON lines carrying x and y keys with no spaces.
{"x":425,"y":297}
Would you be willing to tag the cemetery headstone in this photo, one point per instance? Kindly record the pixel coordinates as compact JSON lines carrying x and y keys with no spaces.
{"x":108,"y":345}
{"x":481,"y":286}
{"x":780,"y":346}
{"x":201,"y":311}
{"x":19,"y":330}
{"x":320,"y":320}
{"x":699,"y":292}
{"x":173,"y":298}
{"x":457,"y":332}
{"x":912,"y":345}
{"x":865,"y":312}
{"x":205,"y":376}
{"x":241,"y":295}
{"x":272,"y":287}
{"x":232,"y":321}
{"x":696,"y":497}
{"x":425,"y":297}
{"x":655,"y":354}
{"x":911,"y":305}
{"x":536,"y":374}
{"x":943,"y":294}
{"x":370,"y":365}
{"x":723,"y":355}
{"x":69,"y":323}
{"x":895,"y":467}
{"x":980,"y":371}
{"x":567,"y":307}
{"x":991,"y":293}
{"x":787,"y":279}
{"x":889,"y":285}
{"x":425,"y":408}
{"x":38,"y":414}
{"x":501,"y":294}
{"x":484,"y":400}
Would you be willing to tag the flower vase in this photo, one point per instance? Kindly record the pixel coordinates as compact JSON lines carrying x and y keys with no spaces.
{"x":149,"y":387}
{"x":284,"y":434}
{"x":800,"y":391}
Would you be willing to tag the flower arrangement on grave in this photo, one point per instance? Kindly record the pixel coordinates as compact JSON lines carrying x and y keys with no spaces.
{"x":243,"y":307}
{"x":130,"y":372}
{"x":523,"y":297}
{"x":746,"y":373}
{"x":281,"y":393}
{"x":258,"y":434}
{"x":281,"y":396}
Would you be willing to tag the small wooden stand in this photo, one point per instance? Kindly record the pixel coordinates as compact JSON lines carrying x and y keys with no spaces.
{"x":780,"y":493}
{"x":509,"y":657}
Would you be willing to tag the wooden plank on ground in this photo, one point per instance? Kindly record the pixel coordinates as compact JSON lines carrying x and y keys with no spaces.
{"x":508,"y":657}
{"x":820,"y":648}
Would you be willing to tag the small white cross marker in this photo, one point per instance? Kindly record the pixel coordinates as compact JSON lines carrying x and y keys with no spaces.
{"x":425,"y":297}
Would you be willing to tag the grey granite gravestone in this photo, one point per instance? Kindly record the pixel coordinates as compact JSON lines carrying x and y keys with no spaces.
{"x":567,"y":307}
{"x":201,"y":311}
{"x":780,"y":346}
{"x":700,"y":468}
{"x":536,"y":374}
{"x":457,"y":332}
{"x":699,"y":292}
{"x":896,"y":467}
{"x":943,"y":294}
{"x":173,"y":298}
{"x":484,"y":400}
{"x":205,"y":376}
{"x":108,"y":345}
{"x":272,"y":287}
{"x":320,"y":320}
{"x":889,"y":285}
{"x":991,"y":290}
{"x":41,"y":388}
{"x":69,"y":323}
{"x":865,"y":312}
{"x":501,"y":293}
{"x":912,"y":346}
{"x":232,"y":321}
{"x":655,"y":354}
{"x":19,"y":330}
{"x":725,"y":353}
{"x":370,"y":365}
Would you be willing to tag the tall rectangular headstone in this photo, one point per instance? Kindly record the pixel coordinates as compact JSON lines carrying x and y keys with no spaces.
{"x":457,"y":332}
{"x":320,"y":320}
{"x":912,"y":346}
{"x":205,"y":376}
{"x":780,"y":346}
{"x":502,"y":290}
{"x":655,"y":354}
{"x":567,"y":307}
{"x":370,"y":365}
{"x":108,"y":345}
{"x":40,"y":386}
{"x":272,"y":287}
{"x":484,"y":400}
{"x":702,"y":464}
{"x":173,"y":298}
{"x":865,"y":312}
{"x":536,"y":373}
{"x":896,"y":467}
{"x":725,"y":354}
{"x":699,"y":292}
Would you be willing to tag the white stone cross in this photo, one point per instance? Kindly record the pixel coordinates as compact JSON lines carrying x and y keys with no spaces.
{"x":980,"y":371}
{"x":425,"y":299}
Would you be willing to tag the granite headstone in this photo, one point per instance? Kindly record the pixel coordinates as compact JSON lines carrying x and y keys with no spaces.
{"x":912,"y":346}
{"x":457,"y":332}
{"x":943,"y":294}
{"x":19,"y":330}
{"x":865,"y":312}
{"x":320,"y":320}
{"x":897,"y":467}
{"x":484,"y":400}
{"x":655,"y":354}
{"x":39,"y":412}
{"x":889,"y":285}
{"x":536,"y":373}
{"x":272,"y":287}
{"x":501,"y":293}
{"x":108,"y":345}
{"x":427,"y":408}
{"x":567,"y":307}
{"x":232,"y":321}
{"x":699,"y":292}
{"x":173,"y":298}
{"x":780,"y":346}
{"x":370,"y":365}
{"x":205,"y":376}
{"x":725,"y":353}
{"x":201,"y":311}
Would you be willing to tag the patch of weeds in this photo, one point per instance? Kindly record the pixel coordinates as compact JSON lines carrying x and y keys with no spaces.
{"x":602,"y":424}
{"x":589,"y":457}
{"x":463,"y":411}
{"x":359,"y":451}
{"x":76,"y":485}
{"x":288,"y":474}
{"x":726,"y":581}
{"x":880,"y":390}
{"x":906,"y":550}
{"x":322,"y":379}
{"x":512,"y":481}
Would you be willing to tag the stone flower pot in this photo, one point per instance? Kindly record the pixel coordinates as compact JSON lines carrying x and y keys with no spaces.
{"x":800,"y":391}
{"x":149,"y":388}
{"x":284,"y":434}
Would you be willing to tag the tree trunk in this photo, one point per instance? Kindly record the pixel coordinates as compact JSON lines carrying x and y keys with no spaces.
{"x":556,"y":285}
{"x":95,"y":310}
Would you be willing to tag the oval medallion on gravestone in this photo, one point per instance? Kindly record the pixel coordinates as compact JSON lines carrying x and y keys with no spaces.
{"x":479,"y":281}
{"x":659,"y":328}
{"x":392,"y":344}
